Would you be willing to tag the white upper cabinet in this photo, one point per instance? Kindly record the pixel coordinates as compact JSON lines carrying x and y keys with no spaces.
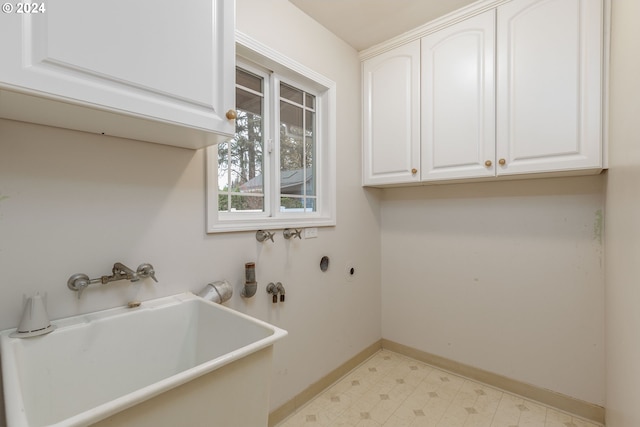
{"x":549,"y":81}
{"x":458,"y":101}
{"x":513,"y":90}
{"x":391,"y":116}
{"x":152,"y":70}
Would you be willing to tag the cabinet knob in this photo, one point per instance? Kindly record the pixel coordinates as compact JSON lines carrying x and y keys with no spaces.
{"x":231,"y":114}
{"x":502,"y":162}
{"x":488,"y":163}
{"x":414,"y":171}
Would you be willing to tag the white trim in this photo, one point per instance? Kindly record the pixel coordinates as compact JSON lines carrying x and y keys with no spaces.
{"x":605,"y":82}
{"x":324,"y":90}
{"x":437,"y":24}
{"x":254,"y":50}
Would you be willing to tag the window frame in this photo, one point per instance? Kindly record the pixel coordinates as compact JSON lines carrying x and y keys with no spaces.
{"x":252,"y":56}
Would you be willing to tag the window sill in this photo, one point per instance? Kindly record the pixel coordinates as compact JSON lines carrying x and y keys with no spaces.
{"x":234,"y":225}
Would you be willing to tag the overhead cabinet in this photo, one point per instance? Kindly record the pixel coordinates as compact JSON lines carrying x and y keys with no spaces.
{"x":458,"y":100}
{"x":156,"y":71}
{"x":513,"y":91}
{"x":391,"y":131}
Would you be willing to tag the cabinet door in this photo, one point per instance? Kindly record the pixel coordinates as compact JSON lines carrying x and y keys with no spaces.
{"x":391,"y":116}
{"x":458,"y":101}
{"x":169,"y":62}
{"x":549,"y":57}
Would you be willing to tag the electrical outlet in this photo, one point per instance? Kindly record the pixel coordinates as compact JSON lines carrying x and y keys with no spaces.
{"x":310,"y":233}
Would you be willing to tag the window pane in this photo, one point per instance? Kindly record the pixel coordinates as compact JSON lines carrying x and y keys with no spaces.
{"x":293,"y":204}
{"x":310,"y":152}
{"x":310,"y":102}
{"x":297,"y":153}
{"x":291,"y":93}
{"x":240,"y":160}
{"x":223,"y":168}
{"x":248,"y":80}
{"x":292,"y":149}
{"x":249,"y":102}
{"x":246,"y":203}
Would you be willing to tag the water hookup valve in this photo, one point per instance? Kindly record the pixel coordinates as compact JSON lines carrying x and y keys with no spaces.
{"x":275,"y":290}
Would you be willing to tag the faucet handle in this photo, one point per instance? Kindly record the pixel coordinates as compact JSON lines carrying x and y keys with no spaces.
{"x":271,"y":289}
{"x":280,"y":290}
{"x":78,"y":282}
{"x":146,"y":270}
{"x":289,"y":233}
{"x":262,"y":235}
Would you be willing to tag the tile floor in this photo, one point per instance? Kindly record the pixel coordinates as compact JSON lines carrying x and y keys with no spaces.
{"x":392,"y":390}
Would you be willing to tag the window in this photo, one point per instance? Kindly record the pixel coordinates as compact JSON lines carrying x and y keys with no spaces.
{"x":278,"y":170}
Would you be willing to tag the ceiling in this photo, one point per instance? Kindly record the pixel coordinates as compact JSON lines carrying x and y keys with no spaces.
{"x":364,"y":23}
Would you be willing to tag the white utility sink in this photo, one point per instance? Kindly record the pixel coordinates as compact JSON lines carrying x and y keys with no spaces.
{"x":177,"y":360}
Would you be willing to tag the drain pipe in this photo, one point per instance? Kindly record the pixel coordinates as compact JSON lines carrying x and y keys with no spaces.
{"x":250,"y":285}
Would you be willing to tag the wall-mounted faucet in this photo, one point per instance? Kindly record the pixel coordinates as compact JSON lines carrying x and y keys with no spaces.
{"x":79,"y":282}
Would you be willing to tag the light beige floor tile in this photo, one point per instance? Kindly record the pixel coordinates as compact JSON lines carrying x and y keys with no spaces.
{"x":368,"y":423}
{"x":532,"y":414}
{"x":488,"y":400}
{"x":391,"y":390}
{"x":417,"y":399}
{"x":479,"y":420}
{"x":395,"y":421}
{"x":436,"y":408}
{"x":424,"y":422}
{"x":507,"y":414}
{"x":306,"y":419}
{"x":407,"y":411}
{"x":503,"y":423}
{"x":455,"y":415}
{"x":557,"y":419}
{"x":353,"y":416}
{"x":335,"y":404}
{"x":583,"y":423}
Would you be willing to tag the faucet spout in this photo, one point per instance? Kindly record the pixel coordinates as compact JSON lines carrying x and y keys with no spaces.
{"x":121,"y":271}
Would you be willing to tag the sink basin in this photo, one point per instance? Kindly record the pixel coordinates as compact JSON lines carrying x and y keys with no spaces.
{"x":134,"y":366}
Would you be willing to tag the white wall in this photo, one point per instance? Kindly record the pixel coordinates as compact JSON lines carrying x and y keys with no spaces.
{"x":345,"y":315}
{"x":73,"y":202}
{"x":623,"y":220}
{"x":502,"y":276}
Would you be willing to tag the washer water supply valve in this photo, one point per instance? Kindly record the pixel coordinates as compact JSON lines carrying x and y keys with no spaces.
{"x":275,"y":290}
{"x":292,"y":233}
{"x":262,"y":236}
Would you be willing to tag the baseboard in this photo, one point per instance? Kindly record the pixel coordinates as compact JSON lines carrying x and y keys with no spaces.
{"x":560,"y":401}
{"x":316,"y":388}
